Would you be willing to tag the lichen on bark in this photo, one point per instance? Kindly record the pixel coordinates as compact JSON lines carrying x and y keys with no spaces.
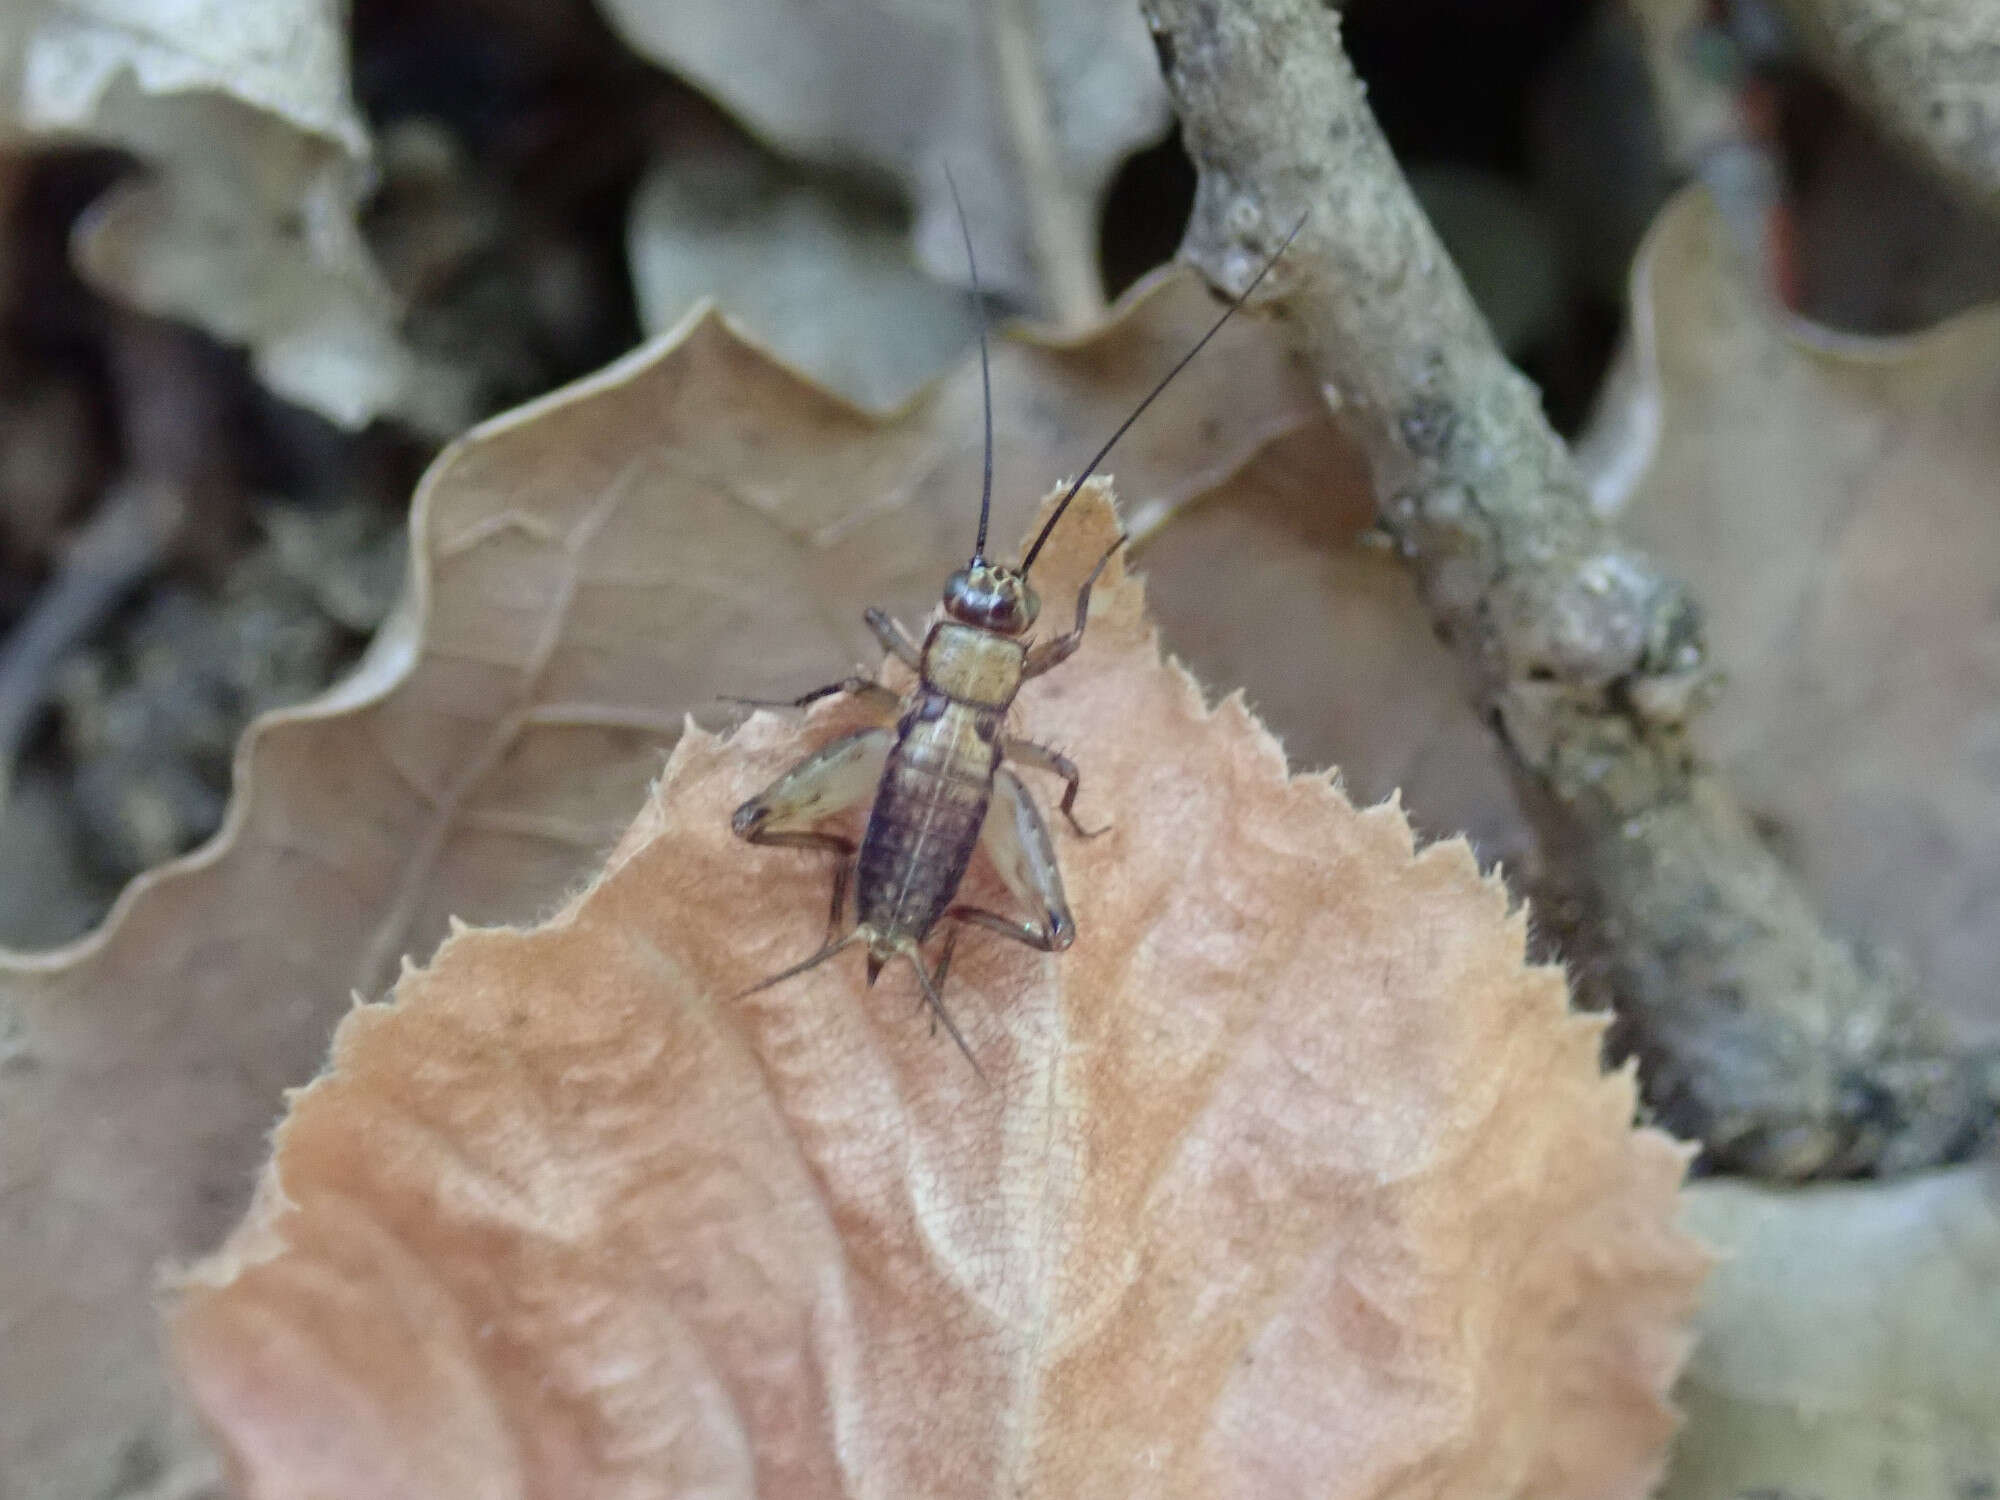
{"x":1759,"y":1032}
{"x":1927,"y":70}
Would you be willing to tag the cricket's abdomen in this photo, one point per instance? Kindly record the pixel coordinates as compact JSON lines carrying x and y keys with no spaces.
{"x":927,"y":817}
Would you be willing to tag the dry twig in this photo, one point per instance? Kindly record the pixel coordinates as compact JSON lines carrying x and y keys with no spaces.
{"x":1758,"y":1032}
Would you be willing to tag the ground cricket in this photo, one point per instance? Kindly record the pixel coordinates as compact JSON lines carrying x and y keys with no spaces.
{"x":937,"y":763}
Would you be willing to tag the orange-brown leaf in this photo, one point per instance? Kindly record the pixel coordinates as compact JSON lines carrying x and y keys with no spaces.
{"x":695,"y":520}
{"x":1294,"y":1179}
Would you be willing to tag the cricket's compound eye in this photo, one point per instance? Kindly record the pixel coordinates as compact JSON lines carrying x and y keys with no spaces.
{"x":991,"y":597}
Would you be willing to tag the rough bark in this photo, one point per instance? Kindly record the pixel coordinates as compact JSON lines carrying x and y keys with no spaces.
{"x":1758,"y":1032}
{"x":1927,"y":70}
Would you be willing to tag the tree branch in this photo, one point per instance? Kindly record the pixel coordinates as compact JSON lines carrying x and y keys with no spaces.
{"x":1927,"y":70}
{"x":1758,"y":1032}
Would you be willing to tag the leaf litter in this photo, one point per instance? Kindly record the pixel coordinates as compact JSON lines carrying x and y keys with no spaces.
{"x":1831,"y":499}
{"x":693,"y":522}
{"x":1294,"y":1176}
{"x":244,"y":223}
{"x":1834,"y":500}
{"x":819,"y":274}
{"x":1845,"y":1340}
{"x":86,"y":1385}
{"x":1033,"y":107}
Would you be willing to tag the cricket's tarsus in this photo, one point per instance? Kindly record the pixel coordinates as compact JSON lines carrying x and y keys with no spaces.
{"x":932,"y":766}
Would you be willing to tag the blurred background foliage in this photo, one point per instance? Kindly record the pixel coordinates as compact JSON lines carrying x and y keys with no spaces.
{"x":533,"y":196}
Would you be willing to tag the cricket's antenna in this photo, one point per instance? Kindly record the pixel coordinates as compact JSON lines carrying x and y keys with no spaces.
{"x":1235,"y":306}
{"x":985,"y":371}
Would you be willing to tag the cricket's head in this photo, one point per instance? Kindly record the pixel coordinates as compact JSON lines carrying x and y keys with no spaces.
{"x":991,"y":596}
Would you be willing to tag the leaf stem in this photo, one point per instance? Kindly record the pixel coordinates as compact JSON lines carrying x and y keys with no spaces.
{"x":1064,"y":238}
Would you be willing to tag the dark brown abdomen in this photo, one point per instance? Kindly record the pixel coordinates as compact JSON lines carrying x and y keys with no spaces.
{"x":924,"y":826}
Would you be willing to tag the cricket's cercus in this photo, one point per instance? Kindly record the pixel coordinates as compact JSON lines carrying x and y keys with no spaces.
{"x":937,"y":761}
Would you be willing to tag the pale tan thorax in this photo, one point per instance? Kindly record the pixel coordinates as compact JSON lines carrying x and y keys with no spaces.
{"x":953,"y":745}
{"x":974,"y":667}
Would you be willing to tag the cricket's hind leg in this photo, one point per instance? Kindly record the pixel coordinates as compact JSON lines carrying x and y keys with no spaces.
{"x":841,"y":776}
{"x":1017,"y":841}
{"x":831,"y":780}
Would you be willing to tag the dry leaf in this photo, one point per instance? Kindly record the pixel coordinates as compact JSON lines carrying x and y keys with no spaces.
{"x":1847,"y":1339}
{"x":816,"y":273}
{"x":245,"y":223}
{"x":1031,"y":106}
{"x":1271,"y":585}
{"x":1292,"y":1180}
{"x":1834,"y":502}
{"x":692,"y":522}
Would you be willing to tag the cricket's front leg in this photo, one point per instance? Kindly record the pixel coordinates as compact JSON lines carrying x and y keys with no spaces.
{"x":1017,"y":841}
{"x":843,"y":775}
{"x":882,"y":703}
{"x":1053,"y":653}
{"x":1042,"y":758}
{"x":894,"y":639}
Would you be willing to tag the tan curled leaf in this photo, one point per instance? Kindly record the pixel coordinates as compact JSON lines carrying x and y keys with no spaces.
{"x":1292,"y":1179}
{"x":819,"y":274}
{"x":244,"y":222}
{"x":1272,"y":585}
{"x":1031,"y":105}
{"x":1835,"y":501}
{"x":695,"y":521}
{"x":1847,"y":1339}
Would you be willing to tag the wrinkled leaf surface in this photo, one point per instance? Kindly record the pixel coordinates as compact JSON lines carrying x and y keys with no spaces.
{"x":695,"y":521}
{"x":1291,"y":1178}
